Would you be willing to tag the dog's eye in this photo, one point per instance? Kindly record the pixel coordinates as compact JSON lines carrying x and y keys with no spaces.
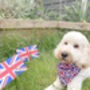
{"x":65,"y":43}
{"x":76,"y":46}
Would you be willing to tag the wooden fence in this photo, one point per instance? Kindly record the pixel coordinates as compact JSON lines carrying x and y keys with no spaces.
{"x":29,"y":24}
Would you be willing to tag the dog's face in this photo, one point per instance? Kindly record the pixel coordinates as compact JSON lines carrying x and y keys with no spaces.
{"x":73,"y":48}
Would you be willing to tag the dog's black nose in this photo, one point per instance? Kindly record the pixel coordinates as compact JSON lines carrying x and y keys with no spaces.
{"x":64,"y":55}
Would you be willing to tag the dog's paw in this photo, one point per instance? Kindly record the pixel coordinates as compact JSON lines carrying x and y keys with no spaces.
{"x":50,"y":88}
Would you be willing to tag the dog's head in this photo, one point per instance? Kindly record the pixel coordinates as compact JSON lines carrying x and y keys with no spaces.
{"x":74,"y":48}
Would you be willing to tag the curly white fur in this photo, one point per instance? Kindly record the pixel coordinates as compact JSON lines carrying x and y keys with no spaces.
{"x":77,"y":47}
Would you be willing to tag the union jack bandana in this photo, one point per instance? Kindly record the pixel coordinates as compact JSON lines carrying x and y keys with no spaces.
{"x":27,"y":53}
{"x":9,"y":69}
{"x":67,"y":72}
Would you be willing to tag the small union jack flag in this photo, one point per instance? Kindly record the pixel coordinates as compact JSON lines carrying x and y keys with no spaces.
{"x":28,"y":52}
{"x":9,"y":69}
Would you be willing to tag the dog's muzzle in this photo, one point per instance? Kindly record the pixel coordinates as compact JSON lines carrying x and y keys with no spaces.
{"x":64,"y":55}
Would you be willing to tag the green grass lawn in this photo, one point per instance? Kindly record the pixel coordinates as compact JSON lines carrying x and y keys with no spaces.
{"x":41,"y":71}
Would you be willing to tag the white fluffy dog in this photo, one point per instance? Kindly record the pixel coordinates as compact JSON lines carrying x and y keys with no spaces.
{"x":73,"y":48}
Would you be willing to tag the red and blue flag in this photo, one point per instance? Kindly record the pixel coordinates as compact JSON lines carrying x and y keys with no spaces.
{"x":9,"y":69}
{"x":27,"y":53}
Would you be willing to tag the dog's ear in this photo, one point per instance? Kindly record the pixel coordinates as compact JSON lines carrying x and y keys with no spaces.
{"x":87,"y":64}
{"x":89,"y":49}
{"x":55,"y":52}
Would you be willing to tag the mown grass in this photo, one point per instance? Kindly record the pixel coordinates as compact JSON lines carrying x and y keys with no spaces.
{"x":41,"y":71}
